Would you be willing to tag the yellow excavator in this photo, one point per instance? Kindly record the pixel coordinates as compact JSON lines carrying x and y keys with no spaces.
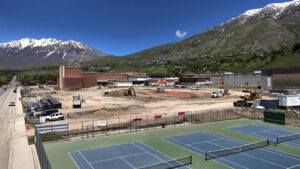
{"x":253,"y":92}
{"x":129,"y":92}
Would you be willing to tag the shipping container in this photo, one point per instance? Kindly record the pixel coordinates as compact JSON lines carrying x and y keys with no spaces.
{"x":289,"y":101}
{"x":269,"y":103}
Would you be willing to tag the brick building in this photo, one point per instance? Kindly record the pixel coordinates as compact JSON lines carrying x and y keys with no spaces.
{"x":70,"y":77}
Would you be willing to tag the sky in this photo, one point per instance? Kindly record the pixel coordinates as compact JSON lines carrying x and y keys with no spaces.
{"x":117,"y":27}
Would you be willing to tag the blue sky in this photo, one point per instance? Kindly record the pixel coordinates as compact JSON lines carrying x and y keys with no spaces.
{"x":117,"y":27}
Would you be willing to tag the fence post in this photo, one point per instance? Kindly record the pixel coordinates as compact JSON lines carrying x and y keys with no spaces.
{"x":156,"y":121}
{"x":191,"y":117}
{"x":136,"y":123}
{"x":119,"y":125}
{"x":106,"y":126}
{"x":174,"y":119}
{"x":147,"y":122}
{"x":166,"y":120}
{"x":93,"y":129}
{"x":130,"y":124}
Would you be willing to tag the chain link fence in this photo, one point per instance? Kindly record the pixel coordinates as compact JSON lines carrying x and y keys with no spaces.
{"x":107,"y":126}
{"x":43,"y":159}
{"x":92,"y":128}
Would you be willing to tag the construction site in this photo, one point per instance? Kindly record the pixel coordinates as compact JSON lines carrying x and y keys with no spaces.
{"x":101,"y":96}
{"x":85,"y":105}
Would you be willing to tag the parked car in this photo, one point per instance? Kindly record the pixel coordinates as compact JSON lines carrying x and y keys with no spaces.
{"x":47,"y":112}
{"x":195,"y":88}
{"x":55,"y":116}
{"x":11,"y":104}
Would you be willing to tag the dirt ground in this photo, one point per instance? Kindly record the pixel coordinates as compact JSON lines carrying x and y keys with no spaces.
{"x":111,"y":103}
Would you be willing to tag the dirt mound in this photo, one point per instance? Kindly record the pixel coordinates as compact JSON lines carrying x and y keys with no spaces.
{"x":182,"y":95}
{"x":107,"y":112}
{"x":115,"y":93}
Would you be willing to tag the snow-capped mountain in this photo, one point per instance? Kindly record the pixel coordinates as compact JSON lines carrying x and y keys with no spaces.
{"x":273,"y":10}
{"x":32,"y":52}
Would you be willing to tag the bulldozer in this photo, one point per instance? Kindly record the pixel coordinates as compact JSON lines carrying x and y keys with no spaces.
{"x":159,"y":90}
{"x":252,"y":93}
{"x":129,"y":92}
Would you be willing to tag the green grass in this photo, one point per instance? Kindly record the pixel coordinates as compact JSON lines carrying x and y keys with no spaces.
{"x":59,"y":157}
{"x":50,"y":137}
{"x":30,"y":140}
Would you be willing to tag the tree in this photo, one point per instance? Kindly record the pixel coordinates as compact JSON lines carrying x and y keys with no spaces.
{"x":3,"y":80}
{"x":26,"y":79}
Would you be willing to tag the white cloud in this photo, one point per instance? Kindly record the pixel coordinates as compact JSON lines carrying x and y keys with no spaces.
{"x":180,"y":34}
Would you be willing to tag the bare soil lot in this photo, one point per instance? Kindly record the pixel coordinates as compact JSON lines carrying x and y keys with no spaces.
{"x":111,"y":103}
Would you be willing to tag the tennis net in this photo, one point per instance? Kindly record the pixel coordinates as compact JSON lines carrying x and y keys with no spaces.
{"x":282,"y":139}
{"x":228,"y":151}
{"x":179,"y":162}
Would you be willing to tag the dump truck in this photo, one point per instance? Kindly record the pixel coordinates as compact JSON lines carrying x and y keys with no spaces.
{"x":76,"y":101}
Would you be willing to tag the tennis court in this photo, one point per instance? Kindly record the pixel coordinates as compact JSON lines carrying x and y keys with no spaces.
{"x":273,"y":134}
{"x":254,"y":157}
{"x":125,"y":156}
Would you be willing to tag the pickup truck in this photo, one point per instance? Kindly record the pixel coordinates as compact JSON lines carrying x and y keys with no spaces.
{"x":216,"y":94}
{"x":242,"y":103}
{"x":54,"y":117}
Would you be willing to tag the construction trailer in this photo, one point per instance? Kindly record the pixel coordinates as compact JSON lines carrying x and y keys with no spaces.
{"x":76,"y":101}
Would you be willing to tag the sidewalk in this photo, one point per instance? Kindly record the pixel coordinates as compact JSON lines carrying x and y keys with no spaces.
{"x":21,"y":155}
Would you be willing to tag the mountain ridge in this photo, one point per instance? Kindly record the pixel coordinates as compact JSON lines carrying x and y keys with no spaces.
{"x":28,"y":52}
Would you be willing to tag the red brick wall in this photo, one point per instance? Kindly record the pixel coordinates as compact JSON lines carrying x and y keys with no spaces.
{"x":90,"y":79}
{"x":73,"y":82}
{"x":72,"y":72}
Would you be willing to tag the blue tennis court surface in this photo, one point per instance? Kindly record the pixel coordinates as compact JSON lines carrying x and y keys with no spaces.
{"x":124,"y":156}
{"x":266,"y":132}
{"x":263,"y":158}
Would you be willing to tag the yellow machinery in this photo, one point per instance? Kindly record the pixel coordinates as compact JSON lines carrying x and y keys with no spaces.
{"x":129,"y":92}
{"x":253,"y":93}
{"x":159,"y":90}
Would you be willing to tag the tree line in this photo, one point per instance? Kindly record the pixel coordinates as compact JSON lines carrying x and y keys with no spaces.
{"x":33,"y":79}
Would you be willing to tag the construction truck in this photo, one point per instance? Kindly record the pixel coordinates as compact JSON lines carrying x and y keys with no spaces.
{"x":253,"y":92}
{"x":129,"y":92}
{"x":76,"y":101}
{"x":217,"y":94}
{"x":159,"y":90}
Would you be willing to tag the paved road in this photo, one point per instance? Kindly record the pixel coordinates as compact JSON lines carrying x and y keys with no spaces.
{"x":7,"y":121}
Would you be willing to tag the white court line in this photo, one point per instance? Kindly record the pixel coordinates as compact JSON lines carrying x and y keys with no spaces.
{"x":85,"y":159}
{"x":127,"y":162}
{"x":73,"y":160}
{"x":263,"y":131}
{"x":149,"y":152}
{"x":253,"y":156}
{"x":100,"y":161}
{"x":264,"y":149}
{"x":202,"y":151}
{"x":292,"y":144}
{"x":294,"y":166}
{"x":203,"y":141}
